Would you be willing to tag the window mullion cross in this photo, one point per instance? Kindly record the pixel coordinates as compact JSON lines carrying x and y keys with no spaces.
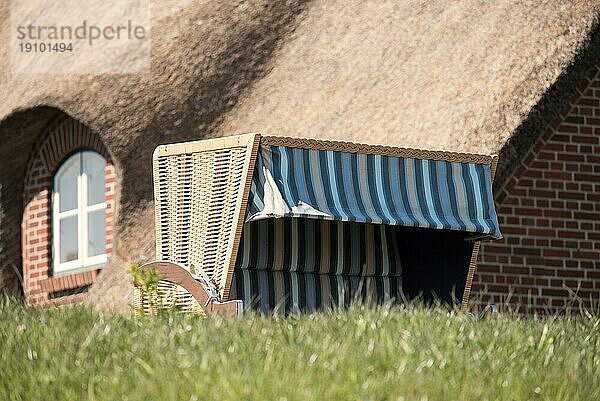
{"x":56,"y":226}
{"x":82,"y":211}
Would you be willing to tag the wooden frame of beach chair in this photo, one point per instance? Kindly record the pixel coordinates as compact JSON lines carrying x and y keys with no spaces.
{"x":201,"y":197}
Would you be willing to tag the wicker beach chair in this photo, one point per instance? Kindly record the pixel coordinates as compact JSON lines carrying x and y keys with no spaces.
{"x":290,"y":224}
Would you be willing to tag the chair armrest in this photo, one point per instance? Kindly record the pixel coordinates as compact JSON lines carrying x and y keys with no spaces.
{"x":180,"y":275}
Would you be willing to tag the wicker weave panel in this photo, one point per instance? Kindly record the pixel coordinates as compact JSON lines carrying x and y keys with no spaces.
{"x":217,"y":181}
{"x":201,"y":191}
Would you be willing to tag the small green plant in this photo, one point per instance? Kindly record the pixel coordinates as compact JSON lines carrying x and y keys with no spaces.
{"x":144,"y":279}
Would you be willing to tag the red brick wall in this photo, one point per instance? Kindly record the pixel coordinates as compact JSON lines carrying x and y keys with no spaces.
{"x":64,"y":138}
{"x":549,"y":213}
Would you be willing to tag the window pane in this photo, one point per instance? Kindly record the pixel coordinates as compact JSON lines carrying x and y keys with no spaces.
{"x":68,"y":239}
{"x":96,"y":233}
{"x":66,"y":184}
{"x":94,"y":169}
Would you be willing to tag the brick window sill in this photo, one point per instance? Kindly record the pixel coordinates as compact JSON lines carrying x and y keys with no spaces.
{"x":70,"y":280}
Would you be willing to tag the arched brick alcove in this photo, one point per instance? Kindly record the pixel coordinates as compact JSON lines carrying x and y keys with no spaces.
{"x":62,"y":138}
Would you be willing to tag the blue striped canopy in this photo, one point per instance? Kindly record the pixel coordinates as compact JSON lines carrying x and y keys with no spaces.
{"x":369,"y":188}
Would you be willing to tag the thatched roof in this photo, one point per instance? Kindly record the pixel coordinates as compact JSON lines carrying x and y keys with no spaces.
{"x":433,"y":74}
{"x":423,"y":74}
{"x":463,"y":75}
{"x":203,"y":56}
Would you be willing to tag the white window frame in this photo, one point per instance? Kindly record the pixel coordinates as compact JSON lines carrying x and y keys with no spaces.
{"x":82,"y":210}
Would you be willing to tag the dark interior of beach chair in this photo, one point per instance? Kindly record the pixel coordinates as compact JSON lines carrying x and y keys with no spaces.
{"x":427,"y":264}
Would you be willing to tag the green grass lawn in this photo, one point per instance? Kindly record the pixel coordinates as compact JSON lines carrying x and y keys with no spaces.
{"x":395,"y":353}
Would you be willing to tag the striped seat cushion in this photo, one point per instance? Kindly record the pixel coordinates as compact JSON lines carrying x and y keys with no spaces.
{"x":320,"y":246}
{"x":292,"y":292}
